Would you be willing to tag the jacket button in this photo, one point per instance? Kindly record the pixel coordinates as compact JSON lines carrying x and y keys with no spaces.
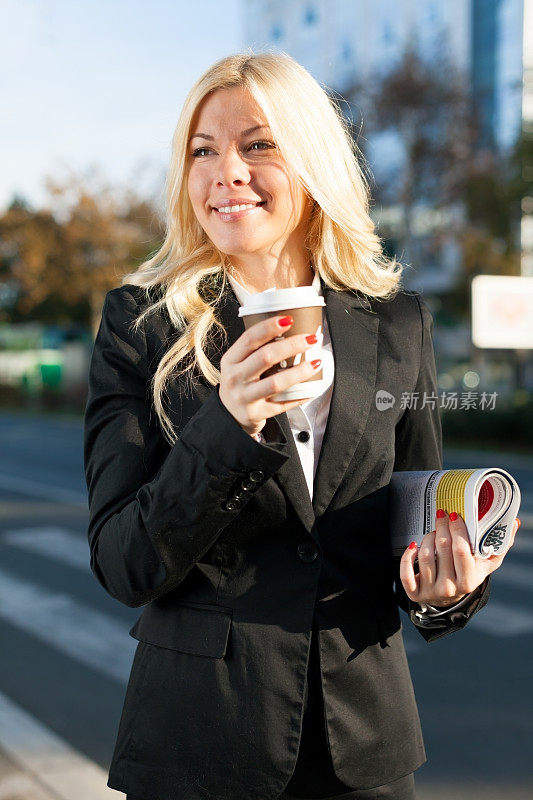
{"x":248,"y":486}
{"x":303,"y":436}
{"x":232,"y":504}
{"x":257,"y":475}
{"x":307,"y":551}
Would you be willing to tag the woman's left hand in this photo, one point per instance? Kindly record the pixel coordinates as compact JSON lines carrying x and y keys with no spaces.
{"x":447,"y":569}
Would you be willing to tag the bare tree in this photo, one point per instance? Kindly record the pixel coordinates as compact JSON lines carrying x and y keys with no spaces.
{"x":429,"y":107}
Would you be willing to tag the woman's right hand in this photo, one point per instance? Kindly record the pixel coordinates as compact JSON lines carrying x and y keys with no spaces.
{"x":242,"y":392}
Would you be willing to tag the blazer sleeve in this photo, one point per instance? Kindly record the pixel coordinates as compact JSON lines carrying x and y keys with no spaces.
{"x":155,"y":509}
{"x":418,"y":446}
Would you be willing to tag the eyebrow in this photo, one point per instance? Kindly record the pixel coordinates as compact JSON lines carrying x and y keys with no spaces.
{"x":243,"y":133}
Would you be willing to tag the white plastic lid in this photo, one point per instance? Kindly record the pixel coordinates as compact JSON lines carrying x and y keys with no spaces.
{"x":280,"y":299}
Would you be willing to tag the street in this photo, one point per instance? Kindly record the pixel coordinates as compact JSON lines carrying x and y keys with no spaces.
{"x":66,"y":652}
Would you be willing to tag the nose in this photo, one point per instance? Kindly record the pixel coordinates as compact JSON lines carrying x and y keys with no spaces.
{"x":232,"y":168}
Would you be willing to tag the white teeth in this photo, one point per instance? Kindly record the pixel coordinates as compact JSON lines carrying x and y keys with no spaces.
{"x":232,"y":209}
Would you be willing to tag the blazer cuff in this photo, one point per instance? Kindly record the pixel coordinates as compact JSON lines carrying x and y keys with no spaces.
{"x":427,"y":610}
{"x":433,"y":624}
{"x":213,"y":430}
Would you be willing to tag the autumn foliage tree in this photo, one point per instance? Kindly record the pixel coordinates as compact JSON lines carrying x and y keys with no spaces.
{"x":63,"y":259}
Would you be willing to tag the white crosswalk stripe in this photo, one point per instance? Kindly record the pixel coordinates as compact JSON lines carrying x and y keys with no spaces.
{"x":57,"y":543}
{"x":522,"y":544}
{"x":501,"y":619}
{"x":515,"y":574}
{"x":25,"y":486}
{"x":88,"y":636}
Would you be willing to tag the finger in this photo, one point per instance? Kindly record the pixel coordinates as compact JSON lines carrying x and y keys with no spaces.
{"x":288,"y":404}
{"x":274,"y":353}
{"x":516,"y":525}
{"x":427,"y":562}
{"x":267,"y":387}
{"x":467,"y":569}
{"x":410,"y":581}
{"x":256,"y":336}
{"x":443,"y":553}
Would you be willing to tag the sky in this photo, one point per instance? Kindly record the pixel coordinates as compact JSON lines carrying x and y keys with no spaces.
{"x":100,"y":84}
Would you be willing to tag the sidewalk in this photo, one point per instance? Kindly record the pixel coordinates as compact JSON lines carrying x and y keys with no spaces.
{"x":36,"y":764}
{"x":15,"y":784}
{"x":461,"y":791}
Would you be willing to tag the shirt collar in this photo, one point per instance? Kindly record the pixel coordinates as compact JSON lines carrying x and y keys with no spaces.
{"x":241,"y":293}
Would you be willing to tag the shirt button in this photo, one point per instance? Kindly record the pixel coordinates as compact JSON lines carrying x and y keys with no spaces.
{"x":303,"y":436}
{"x":257,"y":475}
{"x":307,"y":551}
{"x":232,"y":504}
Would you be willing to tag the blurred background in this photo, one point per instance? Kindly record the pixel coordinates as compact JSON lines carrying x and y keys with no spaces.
{"x":439,"y":98}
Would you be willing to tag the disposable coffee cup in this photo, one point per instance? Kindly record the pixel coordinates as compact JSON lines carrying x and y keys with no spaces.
{"x":304,"y":305}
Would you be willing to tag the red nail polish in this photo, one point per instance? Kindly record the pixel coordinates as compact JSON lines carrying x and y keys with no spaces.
{"x":311,"y":339}
{"x":315,"y":364}
{"x":440,"y":513}
{"x":412,"y":546}
{"x":285,"y":321}
{"x":519,"y":523}
{"x":453,"y":516}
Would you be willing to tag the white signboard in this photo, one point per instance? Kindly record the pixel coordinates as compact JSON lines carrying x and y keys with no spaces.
{"x":502,"y":311}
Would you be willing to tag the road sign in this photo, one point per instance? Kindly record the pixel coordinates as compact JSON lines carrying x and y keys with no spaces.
{"x":502,"y":311}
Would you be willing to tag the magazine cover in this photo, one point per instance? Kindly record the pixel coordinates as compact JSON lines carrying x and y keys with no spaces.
{"x":487,"y":499}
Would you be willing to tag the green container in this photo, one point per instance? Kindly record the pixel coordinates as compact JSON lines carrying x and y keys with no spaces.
{"x":51,"y":374}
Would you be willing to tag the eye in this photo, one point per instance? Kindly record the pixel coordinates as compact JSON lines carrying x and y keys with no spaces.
{"x":200,"y":151}
{"x":196,"y":153}
{"x":268,"y":145}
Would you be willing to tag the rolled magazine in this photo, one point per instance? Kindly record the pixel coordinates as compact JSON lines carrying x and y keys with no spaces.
{"x":487,"y":499}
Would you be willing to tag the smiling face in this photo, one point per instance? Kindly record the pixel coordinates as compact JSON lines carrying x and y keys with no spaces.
{"x":230,"y":165}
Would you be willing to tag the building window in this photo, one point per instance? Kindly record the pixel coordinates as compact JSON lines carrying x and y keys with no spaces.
{"x":310,"y":16}
{"x":276,"y":33}
{"x":432,"y":14}
{"x":387,"y":34}
{"x":346,"y":51}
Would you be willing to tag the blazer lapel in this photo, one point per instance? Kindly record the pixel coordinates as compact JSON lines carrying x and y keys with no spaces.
{"x":354,"y":336}
{"x":353,"y":329}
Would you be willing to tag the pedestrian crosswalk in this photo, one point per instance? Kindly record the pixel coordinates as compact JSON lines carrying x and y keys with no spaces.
{"x":56,"y":612}
{"x":60,"y":620}
{"x":101,"y":640}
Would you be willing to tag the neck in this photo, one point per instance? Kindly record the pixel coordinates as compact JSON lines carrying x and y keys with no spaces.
{"x":282,"y":277}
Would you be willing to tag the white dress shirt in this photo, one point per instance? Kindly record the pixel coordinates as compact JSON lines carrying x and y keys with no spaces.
{"x":311,"y":416}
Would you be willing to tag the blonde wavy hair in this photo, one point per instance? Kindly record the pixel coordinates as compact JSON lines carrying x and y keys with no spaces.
{"x":188,"y":274}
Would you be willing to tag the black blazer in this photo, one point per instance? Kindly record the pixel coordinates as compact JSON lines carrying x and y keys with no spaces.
{"x":218,"y":539}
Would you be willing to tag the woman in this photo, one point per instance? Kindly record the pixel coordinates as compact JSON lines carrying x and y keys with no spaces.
{"x":270,"y":660}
